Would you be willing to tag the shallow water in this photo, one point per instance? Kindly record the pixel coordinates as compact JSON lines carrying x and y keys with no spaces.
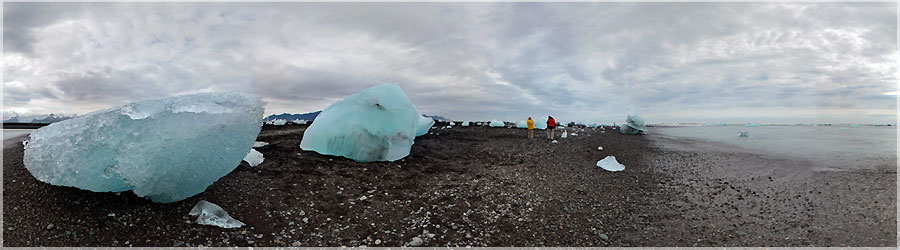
{"x":832,"y":148}
{"x":10,"y":133}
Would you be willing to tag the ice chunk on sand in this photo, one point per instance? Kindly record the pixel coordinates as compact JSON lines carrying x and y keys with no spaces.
{"x":634,"y":125}
{"x":522,"y":124}
{"x":609,"y":163}
{"x":279,"y":122}
{"x":260,"y":144}
{"x":424,"y":125}
{"x":299,"y":121}
{"x":564,"y":135}
{"x":541,"y":123}
{"x":165,"y":149}
{"x":254,"y":158}
{"x":497,"y":124}
{"x":465,"y":124}
{"x":376,"y":124}
{"x":213,"y":215}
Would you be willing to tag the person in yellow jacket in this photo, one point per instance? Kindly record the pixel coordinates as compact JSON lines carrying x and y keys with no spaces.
{"x":530,"y":128}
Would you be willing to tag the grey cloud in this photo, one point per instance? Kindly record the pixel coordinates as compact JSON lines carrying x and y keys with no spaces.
{"x":583,"y":61}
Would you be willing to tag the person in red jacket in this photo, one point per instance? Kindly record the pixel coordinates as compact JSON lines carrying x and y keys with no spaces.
{"x":550,"y":125}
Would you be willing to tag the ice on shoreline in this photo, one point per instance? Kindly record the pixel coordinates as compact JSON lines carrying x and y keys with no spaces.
{"x":211,"y":214}
{"x":610,"y":164}
{"x":254,"y":158}
{"x":165,"y":150}
{"x":376,"y":124}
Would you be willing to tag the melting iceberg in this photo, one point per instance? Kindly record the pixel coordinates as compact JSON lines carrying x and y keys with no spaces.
{"x":254,"y":158}
{"x":376,"y":124}
{"x":279,"y":122}
{"x":211,"y":214}
{"x":634,"y":125}
{"x":522,"y":124}
{"x":165,"y":150}
{"x":424,"y":125}
{"x":751,"y":125}
{"x":496,"y":124}
{"x":610,"y":164}
{"x":465,"y":124}
{"x":540,"y":123}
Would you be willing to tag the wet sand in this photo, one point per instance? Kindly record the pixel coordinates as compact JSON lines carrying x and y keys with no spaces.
{"x":479,"y":186}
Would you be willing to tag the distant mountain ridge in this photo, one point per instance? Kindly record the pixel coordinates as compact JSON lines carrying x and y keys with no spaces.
{"x":437,"y":117}
{"x":13,"y":117}
{"x":290,"y":117}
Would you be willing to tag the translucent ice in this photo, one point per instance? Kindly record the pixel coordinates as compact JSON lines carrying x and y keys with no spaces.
{"x":634,"y":125}
{"x":465,"y":124}
{"x":376,"y":124}
{"x":254,"y":158}
{"x":751,"y":125}
{"x":424,"y":125}
{"x":165,"y":150}
{"x":279,"y":122}
{"x":565,"y":134}
{"x":743,"y":134}
{"x":299,"y":121}
{"x":213,"y":215}
{"x":610,"y":164}
{"x":522,"y":124}
{"x":540,"y":123}
{"x":496,"y":124}
{"x":260,"y":144}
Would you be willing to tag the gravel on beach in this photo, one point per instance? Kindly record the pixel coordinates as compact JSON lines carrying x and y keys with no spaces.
{"x":479,"y":186}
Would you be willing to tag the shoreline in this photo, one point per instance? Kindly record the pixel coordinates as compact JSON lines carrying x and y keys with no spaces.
{"x":478,"y":186}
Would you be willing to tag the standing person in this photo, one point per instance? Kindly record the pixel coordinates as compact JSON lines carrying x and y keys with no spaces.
{"x":530,"y":124}
{"x":550,"y":125}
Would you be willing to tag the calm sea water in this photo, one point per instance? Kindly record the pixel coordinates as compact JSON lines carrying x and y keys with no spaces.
{"x":10,"y":133}
{"x":828,"y":146}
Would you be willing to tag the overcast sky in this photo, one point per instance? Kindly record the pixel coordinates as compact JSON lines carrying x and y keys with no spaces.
{"x":668,"y":62}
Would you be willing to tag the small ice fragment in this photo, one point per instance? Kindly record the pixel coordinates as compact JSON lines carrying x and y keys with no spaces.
{"x":574,"y":134}
{"x":213,"y":215}
{"x":260,"y":144}
{"x":465,"y":124}
{"x":744,"y":134}
{"x":600,"y":148}
{"x":111,"y":214}
{"x":496,"y":124}
{"x":279,"y":122}
{"x":24,"y":143}
{"x":254,"y":158}
{"x":565,"y":134}
{"x":610,"y":164}
{"x":554,"y":141}
{"x":449,"y":126}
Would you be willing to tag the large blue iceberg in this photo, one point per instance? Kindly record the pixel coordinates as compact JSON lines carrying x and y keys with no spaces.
{"x":165,"y":150}
{"x":634,"y":125}
{"x":376,"y":124}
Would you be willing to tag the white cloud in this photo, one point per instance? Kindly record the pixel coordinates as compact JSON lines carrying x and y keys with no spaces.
{"x":575,"y":61}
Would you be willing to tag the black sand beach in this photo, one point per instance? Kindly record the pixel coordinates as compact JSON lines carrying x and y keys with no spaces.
{"x":479,"y":186}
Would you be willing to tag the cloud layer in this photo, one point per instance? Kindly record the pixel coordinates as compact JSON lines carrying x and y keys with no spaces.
{"x":687,"y":62}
